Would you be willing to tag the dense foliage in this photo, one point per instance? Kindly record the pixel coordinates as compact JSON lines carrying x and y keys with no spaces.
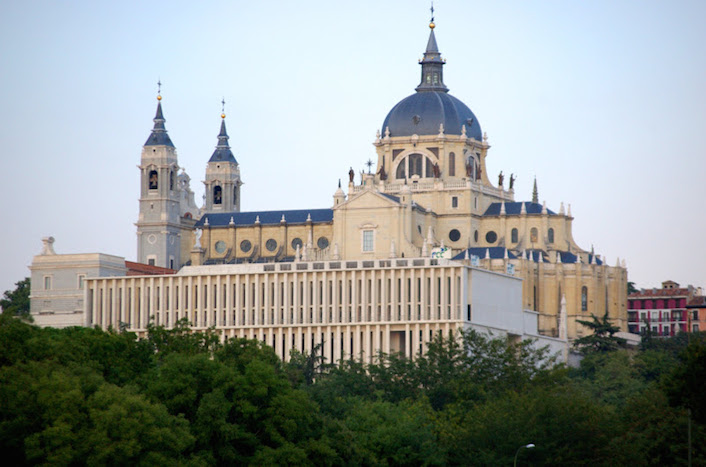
{"x":85,"y":396}
{"x":16,"y":302}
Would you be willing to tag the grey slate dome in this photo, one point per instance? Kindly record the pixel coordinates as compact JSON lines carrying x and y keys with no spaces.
{"x":423,"y":112}
{"x":431,"y":106}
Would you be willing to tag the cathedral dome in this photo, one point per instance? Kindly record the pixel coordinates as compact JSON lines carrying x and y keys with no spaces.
{"x":423,"y":112}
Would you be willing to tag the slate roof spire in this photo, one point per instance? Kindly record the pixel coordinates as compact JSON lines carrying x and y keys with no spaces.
{"x":159,"y":135}
{"x":223,"y":152}
{"x":432,"y":63}
{"x":535,"y":193}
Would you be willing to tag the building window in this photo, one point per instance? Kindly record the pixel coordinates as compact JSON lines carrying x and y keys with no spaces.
{"x":297,"y":242}
{"x":491,"y":237}
{"x":533,"y":235}
{"x":171,"y":180}
{"x":150,"y":261}
{"x":584,"y":298}
{"x":80,"y":278}
{"x":550,"y":235}
{"x":452,"y":164}
{"x":513,"y":236}
{"x":454,"y":235}
{"x":454,"y":201}
{"x":153,"y":180}
{"x":217,"y":195}
{"x":415,"y":164}
{"x":401,"y":170}
{"x":368,"y":240}
{"x":47,"y":282}
{"x":322,"y":243}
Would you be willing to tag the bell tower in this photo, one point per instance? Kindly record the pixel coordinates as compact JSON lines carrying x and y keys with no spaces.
{"x":158,"y":223}
{"x":222,"y":176}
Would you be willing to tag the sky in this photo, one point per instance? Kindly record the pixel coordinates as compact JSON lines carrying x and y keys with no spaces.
{"x":603,"y":101}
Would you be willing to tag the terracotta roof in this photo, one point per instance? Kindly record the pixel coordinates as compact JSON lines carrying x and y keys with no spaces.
{"x":698,"y":301}
{"x":660,"y":293}
{"x":141,"y":269}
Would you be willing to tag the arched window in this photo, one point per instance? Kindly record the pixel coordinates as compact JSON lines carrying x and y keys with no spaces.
{"x":533,"y":235}
{"x":550,"y":235}
{"x":154,"y":180}
{"x":415,"y":164}
{"x":584,"y":298}
{"x":217,"y":195}
{"x":401,"y":173}
{"x":452,"y":165}
{"x":171,"y":180}
{"x":513,"y":236}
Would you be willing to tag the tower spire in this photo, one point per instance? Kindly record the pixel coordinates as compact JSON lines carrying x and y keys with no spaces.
{"x":432,"y":63}
{"x":535,"y":193}
{"x":159,"y":135}
{"x":223,"y":152}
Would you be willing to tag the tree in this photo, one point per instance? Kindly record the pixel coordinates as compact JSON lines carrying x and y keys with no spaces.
{"x":684,"y":386}
{"x":602,"y":339}
{"x":16,"y":302}
{"x":632,"y":288}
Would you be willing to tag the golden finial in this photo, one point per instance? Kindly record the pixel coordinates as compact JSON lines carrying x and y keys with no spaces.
{"x":159,"y":90}
{"x":223,"y":108}
{"x":432,"y":25}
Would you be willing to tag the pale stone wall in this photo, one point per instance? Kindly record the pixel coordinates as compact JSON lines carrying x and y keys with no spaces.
{"x":356,"y":308}
{"x":58,"y":283}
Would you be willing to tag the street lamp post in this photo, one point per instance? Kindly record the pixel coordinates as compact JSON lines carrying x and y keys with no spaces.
{"x":526,"y":446}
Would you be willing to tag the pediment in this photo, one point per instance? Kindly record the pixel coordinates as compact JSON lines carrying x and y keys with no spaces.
{"x":368,"y":199}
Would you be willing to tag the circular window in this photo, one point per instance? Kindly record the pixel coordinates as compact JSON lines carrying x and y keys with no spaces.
{"x":297,"y":242}
{"x":475,"y":236}
{"x":220,"y":246}
{"x":454,"y":235}
{"x":322,"y":243}
{"x":491,"y":236}
{"x":271,"y":244}
{"x":245,"y":246}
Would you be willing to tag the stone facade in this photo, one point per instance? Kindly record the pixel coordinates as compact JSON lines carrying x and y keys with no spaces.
{"x":365,"y":274}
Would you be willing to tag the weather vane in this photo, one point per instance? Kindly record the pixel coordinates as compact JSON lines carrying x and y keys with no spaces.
{"x":432,"y":11}
{"x":159,"y":86}
{"x":223,"y":107}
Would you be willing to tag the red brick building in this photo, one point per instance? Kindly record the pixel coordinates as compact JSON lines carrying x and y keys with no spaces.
{"x":665,"y":310}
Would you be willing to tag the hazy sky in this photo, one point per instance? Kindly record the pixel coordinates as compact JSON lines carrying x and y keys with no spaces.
{"x":604,"y":101}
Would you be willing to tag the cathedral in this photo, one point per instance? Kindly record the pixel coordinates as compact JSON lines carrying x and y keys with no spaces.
{"x":421,"y":242}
